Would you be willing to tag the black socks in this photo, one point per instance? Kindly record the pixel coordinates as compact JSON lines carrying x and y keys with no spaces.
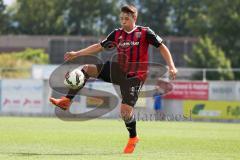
{"x":131,"y":126}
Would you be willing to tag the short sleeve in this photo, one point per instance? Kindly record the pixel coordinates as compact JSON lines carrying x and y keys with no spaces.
{"x":109,"y":39}
{"x":153,"y":38}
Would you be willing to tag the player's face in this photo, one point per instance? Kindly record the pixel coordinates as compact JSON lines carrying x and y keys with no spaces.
{"x":127,"y":20}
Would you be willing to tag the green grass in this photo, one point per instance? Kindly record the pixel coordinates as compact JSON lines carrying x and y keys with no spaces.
{"x":51,"y":138}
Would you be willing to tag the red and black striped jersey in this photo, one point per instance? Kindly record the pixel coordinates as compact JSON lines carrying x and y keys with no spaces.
{"x":132,"y":48}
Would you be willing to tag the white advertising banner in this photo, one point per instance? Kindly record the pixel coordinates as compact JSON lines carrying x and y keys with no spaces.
{"x":42,"y":71}
{"x":22,"y":96}
{"x":227,"y":91}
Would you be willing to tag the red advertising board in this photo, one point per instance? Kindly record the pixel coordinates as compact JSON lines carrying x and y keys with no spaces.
{"x":188,"y":90}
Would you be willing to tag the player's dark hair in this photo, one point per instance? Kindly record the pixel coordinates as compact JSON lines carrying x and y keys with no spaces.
{"x":130,"y":9}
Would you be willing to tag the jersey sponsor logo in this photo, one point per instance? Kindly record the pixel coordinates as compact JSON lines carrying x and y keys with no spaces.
{"x":127,"y":44}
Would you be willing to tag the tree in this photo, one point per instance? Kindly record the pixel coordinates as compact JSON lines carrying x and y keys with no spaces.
{"x":154,"y":14}
{"x":219,"y":21}
{"x":224,"y":29}
{"x":3,"y":17}
{"x":38,"y":17}
{"x":187,"y":17}
{"x":92,"y":17}
{"x":207,"y":55}
{"x":72,"y":17}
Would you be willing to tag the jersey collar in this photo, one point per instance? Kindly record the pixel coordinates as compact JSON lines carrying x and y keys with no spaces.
{"x":131,"y":30}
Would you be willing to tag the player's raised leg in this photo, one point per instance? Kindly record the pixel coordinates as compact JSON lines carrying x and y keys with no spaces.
{"x":89,"y":70}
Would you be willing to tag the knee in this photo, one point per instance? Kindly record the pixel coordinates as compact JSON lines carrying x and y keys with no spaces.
{"x":91,"y":70}
{"x":125,"y":115}
{"x":85,"y":67}
{"x":126,"y":112}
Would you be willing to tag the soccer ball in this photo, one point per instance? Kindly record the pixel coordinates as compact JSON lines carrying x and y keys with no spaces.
{"x":74,"y":79}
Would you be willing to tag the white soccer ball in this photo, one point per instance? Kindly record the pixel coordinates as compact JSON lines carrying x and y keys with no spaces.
{"x":74,"y":79}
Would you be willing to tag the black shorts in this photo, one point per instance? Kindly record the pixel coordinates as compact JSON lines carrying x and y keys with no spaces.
{"x":129,"y":85}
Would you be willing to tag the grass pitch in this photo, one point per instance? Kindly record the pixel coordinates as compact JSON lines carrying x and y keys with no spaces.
{"x":51,"y":138}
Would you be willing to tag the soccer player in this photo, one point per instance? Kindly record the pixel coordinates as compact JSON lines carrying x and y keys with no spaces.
{"x":130,"y":70}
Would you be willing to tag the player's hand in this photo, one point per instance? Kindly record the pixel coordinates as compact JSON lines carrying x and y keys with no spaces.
{"x":173,"y":72}
{"x":70,"y":55}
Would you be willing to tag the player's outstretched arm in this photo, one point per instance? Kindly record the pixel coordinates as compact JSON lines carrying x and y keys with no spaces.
{"x":93,"y":49}
{"x":168,"y":58}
